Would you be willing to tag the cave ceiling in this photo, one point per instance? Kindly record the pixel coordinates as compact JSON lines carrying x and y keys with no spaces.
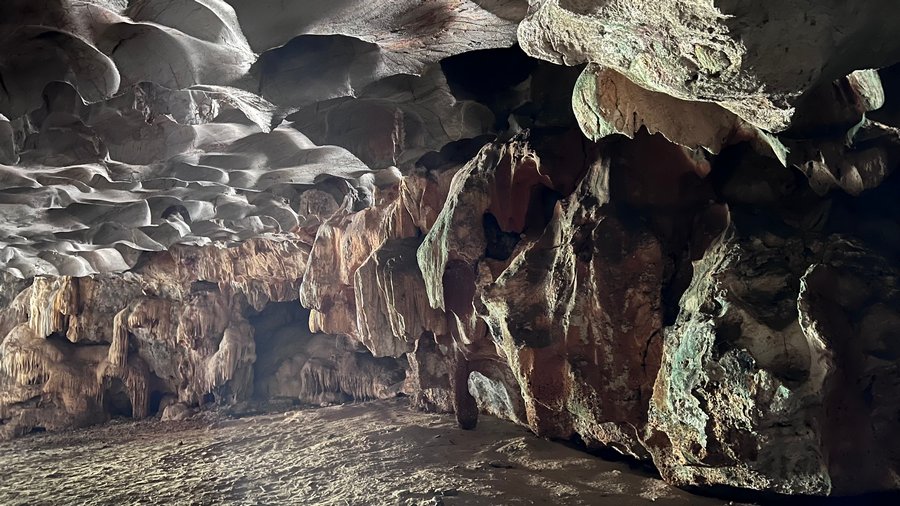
{"x":130,"y":126}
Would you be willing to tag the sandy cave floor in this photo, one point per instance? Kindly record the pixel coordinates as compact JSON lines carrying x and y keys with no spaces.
{"x":357,"y":454}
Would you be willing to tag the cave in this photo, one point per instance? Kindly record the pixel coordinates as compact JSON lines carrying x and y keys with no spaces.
{"x":294,"y":366}
{"x":154,"y":402}
{"x":449,"y":252}
{"x":116,"y":401}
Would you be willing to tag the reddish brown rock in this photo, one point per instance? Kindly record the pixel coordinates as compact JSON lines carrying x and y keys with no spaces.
{"x":631,"y":259}
{"x":78,"y":350}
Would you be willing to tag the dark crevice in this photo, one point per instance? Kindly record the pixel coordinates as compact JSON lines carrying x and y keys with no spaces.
{"x":116,"y":402}
{"x":541,"y":205}
{"x":489,"y":76}
{"x":154,"y":401}
{"x":500,"y":244}
{"x":454,"y":153}
{"x":644,"y":467}
{"x":202,"y":286}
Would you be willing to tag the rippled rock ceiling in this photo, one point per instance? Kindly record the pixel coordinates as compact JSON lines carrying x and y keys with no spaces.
{"x":667,"y":228}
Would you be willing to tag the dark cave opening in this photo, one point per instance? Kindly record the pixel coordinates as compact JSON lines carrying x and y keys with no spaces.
{"x":541,"y":204}
{"x":490,"y":76}
{"x":154,"y":401}
{"x":500,"y":244}
{"x":295,"y":366}
{"x":278,"y":330}
{"x":116,"y":401}
{"x":480,"y":74}
{"x":454,"y":153}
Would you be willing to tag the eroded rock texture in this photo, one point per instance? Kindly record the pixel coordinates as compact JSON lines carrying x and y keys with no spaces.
{"x":664,"y":228}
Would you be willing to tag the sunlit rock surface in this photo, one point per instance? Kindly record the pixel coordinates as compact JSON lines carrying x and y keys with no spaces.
{"x":753,"y":59}
{"x":666,"y":229}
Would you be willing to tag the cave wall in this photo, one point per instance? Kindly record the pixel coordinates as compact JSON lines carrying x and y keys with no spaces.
{"x":665,"y":228}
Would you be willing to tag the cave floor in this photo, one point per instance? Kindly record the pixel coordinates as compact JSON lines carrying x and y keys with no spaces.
{"x":358,"y":454}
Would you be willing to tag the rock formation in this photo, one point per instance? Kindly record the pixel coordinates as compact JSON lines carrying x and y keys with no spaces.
{"x":664,"y":228}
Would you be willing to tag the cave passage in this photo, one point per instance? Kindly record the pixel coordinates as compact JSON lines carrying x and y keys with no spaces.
{"x":449,"y":252}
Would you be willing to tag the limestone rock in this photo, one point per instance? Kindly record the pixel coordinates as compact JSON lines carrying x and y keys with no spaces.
{"x":750,"y":390}
{"x":350,"y":43}
{"x":97,"y":217}
{"x":557,"y":339}
{"x":752,"y":59}
{"x":607,"y":103}
{"x":79,"y":350}
{"x":858,"y":162}
{"x":176,"y":411}
{"x":682,"y":247}
{"x":407,"y":116}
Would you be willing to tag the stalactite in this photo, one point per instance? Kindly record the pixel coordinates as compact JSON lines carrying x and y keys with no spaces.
{"x":138,"y":390}
{"x":74,"y":385}
{"x":317,"y":379}
{"x":236,"y":350}
{"x":118,"y":350}
{"x":43,"y":317}
{"x":26,"y":357}
{"x":154,"y":316}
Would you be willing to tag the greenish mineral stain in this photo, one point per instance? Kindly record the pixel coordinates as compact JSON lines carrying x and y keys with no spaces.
{"x":711,"y":59}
